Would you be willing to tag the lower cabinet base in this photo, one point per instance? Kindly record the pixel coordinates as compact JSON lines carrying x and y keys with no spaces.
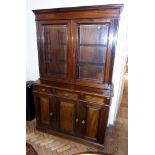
{"x":77,"y":139}
{"x":80,"y":116}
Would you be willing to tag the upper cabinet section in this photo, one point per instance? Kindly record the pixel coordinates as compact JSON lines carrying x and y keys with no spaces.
{"x":77,"y":45}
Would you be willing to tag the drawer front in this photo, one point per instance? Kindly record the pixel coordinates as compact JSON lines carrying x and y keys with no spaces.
{"x":42,"y":89}
{"x":66,"y":94}
{"x":95,"y":99}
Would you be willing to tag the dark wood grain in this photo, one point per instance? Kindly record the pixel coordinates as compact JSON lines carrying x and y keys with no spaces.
{"x":44,"y":107}
{"x":53,"y":46}
{"x":76,"y":50}
{"x":37,"y":109}
{"x":108,"y":52}
{"x":80,"y":116}
{"x":54,"y":49}
{"x":93,"y":32}
{"x":52,"y":113}
{"x":81,"y":8}
{"x":106,"y":92}
{"x":92,"y":122}
{"x":114,"y":42}
{"x":66,"y":94}
{"x":79,"y":12}
{"x":102,"y":124}
{"x":90,"y":114}
{"x":66,"y":116}
{"x":66,"y":112}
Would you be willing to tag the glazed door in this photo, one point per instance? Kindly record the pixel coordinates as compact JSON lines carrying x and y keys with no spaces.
{"x":54,"y":49}
{"x":91,"y":121}
{"x":44,"y":108}
{"x":92,"y":48}
{"x":66,"y":111}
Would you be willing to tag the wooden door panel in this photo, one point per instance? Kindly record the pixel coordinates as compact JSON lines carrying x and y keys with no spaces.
{"x":92,"y":123}
{"x":37,"y":108}
{"x":95,"y":121}
{"x":80,"y":116}
{"x":67,"y":116}
{"x":52,"y":112}
{"x":91,"y":49}
{"x":44,"y":106}
{"x":55,"y":50}
{"x":45,"y":110}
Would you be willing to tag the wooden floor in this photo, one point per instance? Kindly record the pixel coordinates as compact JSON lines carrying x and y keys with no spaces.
{"x":116,"y":141}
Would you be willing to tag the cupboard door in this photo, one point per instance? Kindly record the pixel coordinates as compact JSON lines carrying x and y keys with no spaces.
{"x":92,"y":121}
{"x":66,"y":112}
{"x":45,"y":113}
{"x":91,"y":48}
{"x":55,"y":49}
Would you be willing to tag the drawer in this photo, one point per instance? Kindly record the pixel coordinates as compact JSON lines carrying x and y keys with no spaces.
{"x":90,"y":98}
{"x":66,"y":94}
{"x":42,"y":89}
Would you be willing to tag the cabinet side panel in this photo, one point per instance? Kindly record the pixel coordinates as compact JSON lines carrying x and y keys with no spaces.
{"x":39,"y":42}
{"x":103,"y":124}
{"x":113,"y":48}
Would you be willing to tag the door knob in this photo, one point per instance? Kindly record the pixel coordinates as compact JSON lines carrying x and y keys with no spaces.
{"x":51,"y":114}
{"x":83,"y":122}
{"x":76,"y":120}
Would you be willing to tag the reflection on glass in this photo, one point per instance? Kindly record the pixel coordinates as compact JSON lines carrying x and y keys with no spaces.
{"x":92,"y":54}
{"x":90,"y":72}
{"x":93,"y":34}
{"x":56,"y":47}
{"x":55,"y":40}
{"x":57,"y":52}
{"x":56,"y":69}
{"x":92,"y":46}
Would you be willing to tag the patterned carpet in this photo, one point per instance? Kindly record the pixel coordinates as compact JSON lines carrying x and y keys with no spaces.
{"x":116,"y":141}
{"x":47,"y":144}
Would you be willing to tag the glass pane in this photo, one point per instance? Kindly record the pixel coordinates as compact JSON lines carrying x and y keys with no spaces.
{"x":92,"y":46}
{"x":93,"y":34}
{"x":56,"y":48}
{"x":92,"y":73}
{"x":92,"y":54}
{"x":57,"y":69}
{"x":55,"y":42}
{"x":57,"y":52}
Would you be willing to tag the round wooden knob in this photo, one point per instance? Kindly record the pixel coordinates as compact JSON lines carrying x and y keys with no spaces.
{"x":77,"y":120}
{"x":83,"y":122}
{"x":51,"y":114}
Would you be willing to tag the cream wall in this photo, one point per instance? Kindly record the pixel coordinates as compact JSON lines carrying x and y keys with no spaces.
{"x":32,"y":70}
